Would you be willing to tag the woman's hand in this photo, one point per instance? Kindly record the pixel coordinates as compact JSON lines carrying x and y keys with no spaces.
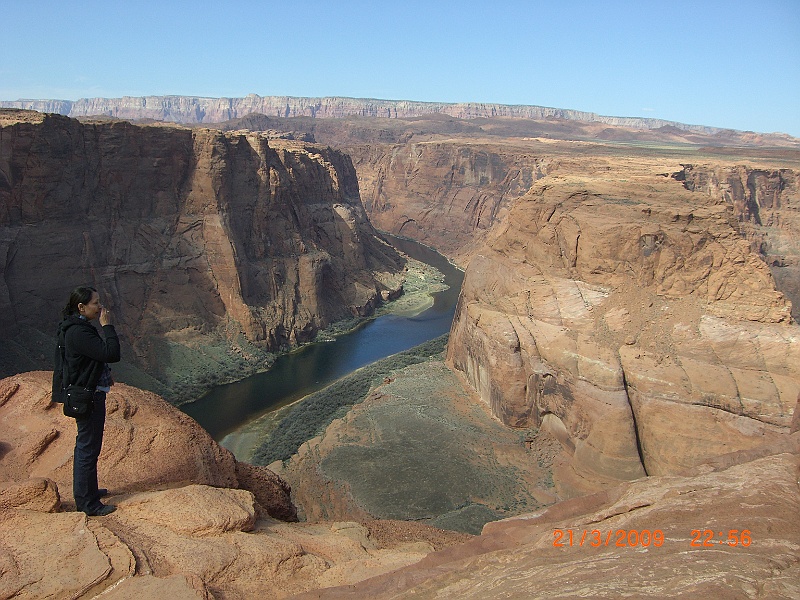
{"x":105,"y":316}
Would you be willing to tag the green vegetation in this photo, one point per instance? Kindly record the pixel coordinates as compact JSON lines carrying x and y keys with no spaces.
{"x":310,"y":416}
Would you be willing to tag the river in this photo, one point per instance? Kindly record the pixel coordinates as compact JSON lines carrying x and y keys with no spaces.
{"x":226,"y":408}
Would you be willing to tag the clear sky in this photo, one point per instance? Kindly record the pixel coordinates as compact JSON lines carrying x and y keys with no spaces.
{"x":711,"y":62}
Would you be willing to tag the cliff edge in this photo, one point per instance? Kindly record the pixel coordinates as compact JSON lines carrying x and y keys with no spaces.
{"x":192,"y":522}
{"x":628,"y":314}
{"x":211,"y":249}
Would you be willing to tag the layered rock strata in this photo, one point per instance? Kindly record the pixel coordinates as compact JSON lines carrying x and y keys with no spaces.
{"x":766,"y":202}
{"x":724,"y":532}
{"x":444,"y":193}
{"x":193,"y":238}
{"x":629,"y":317}
{"x":193,"y":109}
{"x":189,"y":109}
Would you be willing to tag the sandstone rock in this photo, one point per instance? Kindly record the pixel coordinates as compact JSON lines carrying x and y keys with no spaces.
{"x":752,"y":504}
{"x":177,"y":587}
{"x":38,"y":494}
{"x":210,"y":249}
{"x":765,"y":201}
{"x":272,"y":493}
{"x":190,"y":531}
{"x":193,"y":542}
{"x":445,"y":194}
{"x":148,"y":444}
{"x":181,"y":528}
{"x":58,"y":556}
{"x":630,"y":319}
{"x":195,"y":510}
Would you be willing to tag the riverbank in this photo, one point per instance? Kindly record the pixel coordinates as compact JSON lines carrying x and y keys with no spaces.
{"x":416,"y":446}
{"x":423,"y":312}
{"x":194,"y":371}
{"x":422,"y":281}
{"x":278,"y":434}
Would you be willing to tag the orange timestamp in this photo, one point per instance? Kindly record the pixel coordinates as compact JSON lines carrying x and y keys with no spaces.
{"x":619,"y":537}
{"x":708,"y":538}
{"x":701,"y":538}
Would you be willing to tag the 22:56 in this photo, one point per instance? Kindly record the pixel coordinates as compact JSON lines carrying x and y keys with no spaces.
{"x":704,"y":538}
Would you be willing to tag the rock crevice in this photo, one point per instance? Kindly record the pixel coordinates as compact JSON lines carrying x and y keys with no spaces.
{"x":633,"y":321}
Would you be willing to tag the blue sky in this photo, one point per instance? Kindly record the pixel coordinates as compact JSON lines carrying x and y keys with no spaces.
{"x":721,"y":63}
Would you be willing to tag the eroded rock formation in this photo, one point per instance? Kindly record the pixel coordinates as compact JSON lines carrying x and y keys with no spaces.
{"x":726,"y":531}
{"x":193,"y":109}
{"x":209,"y":248}
{"x":147,"y":445}
{"x":446,"y":194}
{"x":628,"y":316}
{"x":191,"y":521}
{"x":766,"y":202}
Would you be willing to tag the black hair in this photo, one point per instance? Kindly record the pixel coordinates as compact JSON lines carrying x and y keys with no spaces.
{"x":80,"y":295}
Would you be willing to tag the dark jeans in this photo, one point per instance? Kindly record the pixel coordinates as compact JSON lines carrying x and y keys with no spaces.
{"x":87,"y":450}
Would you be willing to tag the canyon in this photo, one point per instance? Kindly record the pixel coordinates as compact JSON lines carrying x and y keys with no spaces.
{"x":625,"y":345}
{"x":212,"y":250}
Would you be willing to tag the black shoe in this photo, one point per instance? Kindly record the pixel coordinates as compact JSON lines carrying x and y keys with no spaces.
{"x":102,"y":492}
{"x":105,"y":509}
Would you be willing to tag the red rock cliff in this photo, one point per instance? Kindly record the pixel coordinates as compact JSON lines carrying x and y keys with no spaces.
{"x":766,"y":202}
{"x":631,"y":318}
{"x":191,"y":236}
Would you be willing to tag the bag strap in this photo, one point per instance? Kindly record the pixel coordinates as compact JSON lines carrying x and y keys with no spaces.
{"x":64,"y":369}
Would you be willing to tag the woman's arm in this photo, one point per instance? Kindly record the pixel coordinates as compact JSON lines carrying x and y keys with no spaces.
{"x":86,"y":341}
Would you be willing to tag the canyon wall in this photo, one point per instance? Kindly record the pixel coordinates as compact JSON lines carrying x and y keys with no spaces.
{"x":192,"y":109}
{"x":446,"y":194}
{"x":766,"y":203}
{"x":630,"y":316}
{"x":209,"y":248}
{"x":606,"y":282}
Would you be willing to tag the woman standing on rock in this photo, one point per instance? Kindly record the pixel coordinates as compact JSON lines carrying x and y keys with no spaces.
{"x":85,"y":355}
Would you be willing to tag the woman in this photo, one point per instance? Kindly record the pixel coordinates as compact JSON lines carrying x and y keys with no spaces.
{"x":85,"y":356}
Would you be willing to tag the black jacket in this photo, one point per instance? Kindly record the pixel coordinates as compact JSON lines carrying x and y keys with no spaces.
{"x":85,"y":353}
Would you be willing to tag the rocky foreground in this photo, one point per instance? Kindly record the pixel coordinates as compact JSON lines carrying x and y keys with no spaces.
{"x":665,"y":537}
{"x":194,"y":523}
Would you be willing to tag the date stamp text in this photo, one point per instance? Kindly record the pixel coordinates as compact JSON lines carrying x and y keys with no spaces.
{"x":700,"y":538}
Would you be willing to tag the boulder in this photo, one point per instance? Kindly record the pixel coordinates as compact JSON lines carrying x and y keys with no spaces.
{"x":38,"y":494}
{"x":148,"y":444}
